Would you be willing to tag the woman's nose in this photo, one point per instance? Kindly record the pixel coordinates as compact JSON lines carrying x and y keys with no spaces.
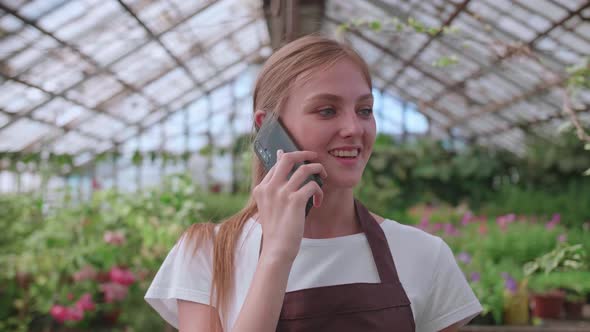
{"x":351,"y":125}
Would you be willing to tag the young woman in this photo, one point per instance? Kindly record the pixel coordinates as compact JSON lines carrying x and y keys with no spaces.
{"x":340,"y":269}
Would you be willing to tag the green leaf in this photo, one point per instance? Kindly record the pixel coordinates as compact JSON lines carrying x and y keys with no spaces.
{"x":343,"y":27}
{"x":375,"y":26}
{"x":445,"y":61}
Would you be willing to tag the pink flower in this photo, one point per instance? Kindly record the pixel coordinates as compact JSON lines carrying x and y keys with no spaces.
{"x":59,"y":313}
{"x":562,"y":238}
{"x":63,"y":314}
{"x":86,"y":273}
{"x":424,"y":224}
{"x":450,"y":229}
{"x":85,"y":302}
{"x":113,"y":292}
{"x":116,"y":238}
{"x":121,"y":276}
{"x":483,"y":228}
{"x":504,"y":221}
{"x":437,"y":227}
{"x":74,"y":314}
{"x":467,"y":218}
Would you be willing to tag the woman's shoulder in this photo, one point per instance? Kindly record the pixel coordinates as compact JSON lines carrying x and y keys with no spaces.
{"x":410,"y":236}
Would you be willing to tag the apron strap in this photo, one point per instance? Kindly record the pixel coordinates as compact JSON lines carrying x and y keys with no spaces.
{"x":378,"y":243}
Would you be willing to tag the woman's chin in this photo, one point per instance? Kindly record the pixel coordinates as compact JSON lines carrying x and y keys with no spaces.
{"x":344,"y":182}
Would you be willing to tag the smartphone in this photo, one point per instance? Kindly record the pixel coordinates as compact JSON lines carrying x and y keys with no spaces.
{"x":273,"y":136}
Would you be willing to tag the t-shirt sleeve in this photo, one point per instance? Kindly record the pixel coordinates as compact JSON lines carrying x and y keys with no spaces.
{"x":451,"y":299}
{"x":185,"y":274}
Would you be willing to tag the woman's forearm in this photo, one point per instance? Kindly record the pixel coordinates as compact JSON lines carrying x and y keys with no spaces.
{"x":262,"y":307}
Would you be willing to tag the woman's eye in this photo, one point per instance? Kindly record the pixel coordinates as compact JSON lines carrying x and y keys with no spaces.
{"x":366,"y":111}
{"x":327,"y":112}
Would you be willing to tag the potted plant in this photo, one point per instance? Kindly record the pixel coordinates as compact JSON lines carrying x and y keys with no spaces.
{"x":547,"y":284}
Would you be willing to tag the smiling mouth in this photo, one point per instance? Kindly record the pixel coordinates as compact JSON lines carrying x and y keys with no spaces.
{"x":347,"y":154}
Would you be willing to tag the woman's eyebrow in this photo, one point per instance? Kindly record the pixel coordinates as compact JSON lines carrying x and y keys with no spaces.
{"x":336,"y":98}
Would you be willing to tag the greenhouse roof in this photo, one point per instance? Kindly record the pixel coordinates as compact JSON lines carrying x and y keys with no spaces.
{"x":85,"y":76}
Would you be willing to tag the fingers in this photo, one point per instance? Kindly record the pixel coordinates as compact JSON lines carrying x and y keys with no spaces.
{"x":271,"y":171}
{"x":287,"y":161}
{"x":269,"y":175}
{"x":309,"y":189}
{"x":302,"y":173}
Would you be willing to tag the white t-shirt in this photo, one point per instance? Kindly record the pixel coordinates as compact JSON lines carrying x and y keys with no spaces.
{"x":437,"y":289}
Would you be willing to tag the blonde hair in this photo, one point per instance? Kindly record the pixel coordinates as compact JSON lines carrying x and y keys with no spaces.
{"x":292,"y":61}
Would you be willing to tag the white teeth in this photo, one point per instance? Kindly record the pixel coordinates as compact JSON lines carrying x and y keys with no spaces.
{"x":345,"y":153}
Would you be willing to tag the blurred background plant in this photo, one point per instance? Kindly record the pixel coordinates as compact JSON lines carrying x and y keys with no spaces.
{"x":72,"y":255}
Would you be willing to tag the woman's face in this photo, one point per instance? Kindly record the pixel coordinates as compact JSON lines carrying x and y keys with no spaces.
{"x":330,"y":112}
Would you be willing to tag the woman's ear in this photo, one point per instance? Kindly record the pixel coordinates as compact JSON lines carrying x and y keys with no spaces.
{"x":259,"y":116}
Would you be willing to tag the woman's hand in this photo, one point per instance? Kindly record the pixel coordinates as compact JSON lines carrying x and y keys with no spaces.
{"x":281,"y":203}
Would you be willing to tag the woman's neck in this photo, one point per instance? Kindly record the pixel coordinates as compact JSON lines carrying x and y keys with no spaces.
{"x":336,"y":217}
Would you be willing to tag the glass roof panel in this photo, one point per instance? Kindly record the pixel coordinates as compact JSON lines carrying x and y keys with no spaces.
{"x":132,"y":107}
{"x":63,"y":15}
{"x":218,"y":43}
{"x":102,"y":126}
{"x":144,"y":65}
{"x":16,"y":97}
{"x":73,"y":143}
{"x":186,"y":98}
{"x":61,"y":112}
{"x":174,"y":125}
{"x":36,"y":8}
{"x":10,"y":24}
{"x":95,"y":90}
{"x":59,"y":70}
{"x":4,"y":119}
{"x":544,"y":6}
{"x":170,"y":86}
{"x":224,"y":54}
{"x":22,"y":133}
{"x":22,"y":40}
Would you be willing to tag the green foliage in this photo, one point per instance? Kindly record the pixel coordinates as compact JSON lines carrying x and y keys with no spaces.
{"x":394,"y":24}
{"x":579,"y":75}
{"x":571,"y":201}
{"x":575,"y":283}
{"x":563,"y":258}
{"x":400,"y":175}
{"x":40,"y":252}
{"x":489,"y":290}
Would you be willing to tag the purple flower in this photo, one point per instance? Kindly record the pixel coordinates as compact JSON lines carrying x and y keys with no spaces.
{"x":475,"y":276}
{"x":511,"y":285}
{"x":464,"y":257}
{"x":550,"y":225}
{"x":562,"y":238}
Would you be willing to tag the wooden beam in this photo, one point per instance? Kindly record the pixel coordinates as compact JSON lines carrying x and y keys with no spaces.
{"x":290,"y":19}
{"x":496,"y":107}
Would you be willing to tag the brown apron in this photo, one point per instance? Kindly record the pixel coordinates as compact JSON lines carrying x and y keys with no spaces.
{"x":353,"y":307}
